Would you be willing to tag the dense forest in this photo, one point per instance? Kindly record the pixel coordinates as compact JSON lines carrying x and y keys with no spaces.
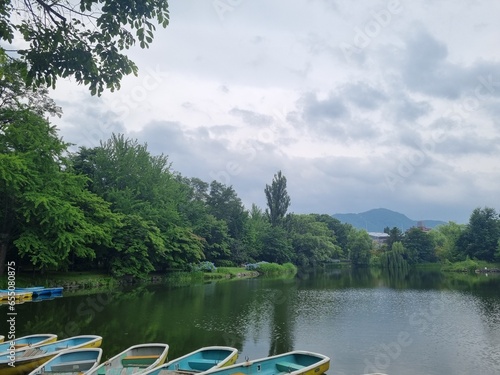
{"x":120,"y":209}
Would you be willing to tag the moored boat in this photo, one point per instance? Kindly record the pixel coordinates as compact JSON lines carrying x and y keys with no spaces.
{"x":196,"y":362}
{"x":7,"y":295}
{"x":26,"y":342}
{"x":295,"y":363}
{"x":71,"y":362}
{"x":35,"y":290}
{"x":38,"y":291}
{"x":24,"y":361}
{"x":137,"y":359}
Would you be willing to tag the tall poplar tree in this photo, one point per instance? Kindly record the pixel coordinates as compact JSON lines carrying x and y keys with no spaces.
{"x":278,"y":199}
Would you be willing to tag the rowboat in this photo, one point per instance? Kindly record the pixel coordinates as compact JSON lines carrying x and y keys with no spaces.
{"x":7,"y":295}
{"x":27,"y":342}
{"x":71,"y":362}
{"x":22,"y":362}
{"x":38,"y":291}
{"x":294,"y":363}
{"x":198,"y":361}
{"x":134,"y":360}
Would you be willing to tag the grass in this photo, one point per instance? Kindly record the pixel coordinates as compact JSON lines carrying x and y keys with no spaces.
{"x":67,"y":279}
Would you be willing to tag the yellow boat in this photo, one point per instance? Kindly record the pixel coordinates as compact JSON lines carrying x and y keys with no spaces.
{"x":22,"y":296}
{"x":292,"y":363}
{"x":2,"y":338}
{"x":27,"y":342}
{"x":21,"y":363}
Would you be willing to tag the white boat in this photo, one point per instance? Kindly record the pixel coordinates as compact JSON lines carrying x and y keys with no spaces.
{"x":137,"y":359}
{"x":71,"y":362}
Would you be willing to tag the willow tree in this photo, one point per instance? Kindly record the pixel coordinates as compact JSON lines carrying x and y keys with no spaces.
{"x":278,"y":199}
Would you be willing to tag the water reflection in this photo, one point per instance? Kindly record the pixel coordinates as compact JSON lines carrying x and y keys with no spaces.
{"x":414,"y":322}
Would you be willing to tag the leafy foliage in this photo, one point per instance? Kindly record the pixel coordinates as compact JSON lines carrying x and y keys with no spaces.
{"x":47,"y":213}
{"x":278,"y":199}
{"x":481,"y":235}
{"x":359,"y":246}
{"x":82,"y":39}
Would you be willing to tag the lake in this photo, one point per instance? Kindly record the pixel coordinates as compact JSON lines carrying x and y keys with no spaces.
{"x":423,"y":322}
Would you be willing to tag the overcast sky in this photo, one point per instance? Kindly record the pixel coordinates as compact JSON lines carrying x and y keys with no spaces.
{"x":361,"y":105}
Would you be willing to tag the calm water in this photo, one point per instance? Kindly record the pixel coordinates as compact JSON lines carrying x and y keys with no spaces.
{"x":365,"y":321}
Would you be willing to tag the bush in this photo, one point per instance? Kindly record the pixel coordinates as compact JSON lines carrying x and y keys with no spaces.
{"x":203,"y":267}
{"x":468,"y":265}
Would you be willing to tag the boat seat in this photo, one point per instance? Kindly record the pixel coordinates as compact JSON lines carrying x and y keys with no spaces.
{"x":202,"y":364}
{"x":139,"y":360}
{"x":83,"y":365}
{"x":31,"y":352}
{"x":288,"y":366}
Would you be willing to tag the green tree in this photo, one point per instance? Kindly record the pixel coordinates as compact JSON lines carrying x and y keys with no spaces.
{"x":46,"y":212}
{"x":395,"y":235}
{"x":276,"y":246}
{"x":224,"y":204}
{"x":480,"y":237}
{"x":419,"y":246}
{"x":278,"y":199}
{"x":359,"y":246}
{"x":340,"y":230}
{"x":256,"y":228}
{"x":396,"y":258}
{"x":140,"y":185}
{"x":445,"y":238}
{"x":313,"y":242}
{"x":80,"y":39}
{"x":14,"y":93}
{"x":216,"y":238}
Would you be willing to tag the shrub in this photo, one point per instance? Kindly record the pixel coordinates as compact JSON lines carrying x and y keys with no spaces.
{"x":203,"y":267}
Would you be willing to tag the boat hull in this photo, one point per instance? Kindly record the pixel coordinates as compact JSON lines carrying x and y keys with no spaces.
{"x":293,"y":363}
{"x":25,"y":361}
{"x":71,"y":362}
{"x":199,"y":361}
{"x":137,"y":359}
{"x":26,"y":342}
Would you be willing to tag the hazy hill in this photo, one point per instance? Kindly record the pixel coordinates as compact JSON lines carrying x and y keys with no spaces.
{"x":377,"y":219}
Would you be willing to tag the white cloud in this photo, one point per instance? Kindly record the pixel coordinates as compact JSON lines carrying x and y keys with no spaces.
{"x":406,"y":119}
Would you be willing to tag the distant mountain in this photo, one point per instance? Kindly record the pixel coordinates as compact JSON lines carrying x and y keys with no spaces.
{"x":377,"y":219}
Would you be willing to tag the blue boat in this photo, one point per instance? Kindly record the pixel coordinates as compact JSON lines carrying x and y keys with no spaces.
{"x":295,"y":363}
{"x":26,"y":342}
{"x":35,"y":290}
{"x":200,"y":360}
{"x":28,"y":359}
{"x":38,"y":291}
{"x":71,"y":362}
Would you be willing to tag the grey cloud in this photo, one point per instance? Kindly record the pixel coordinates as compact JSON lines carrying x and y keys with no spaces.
{"x":468,"y":143}
{"x":89,"y":123}
{"x":406,"y":109}
{"x":425,"y":69}
{"x":363,"y":95}
{"x":251,"y":118}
